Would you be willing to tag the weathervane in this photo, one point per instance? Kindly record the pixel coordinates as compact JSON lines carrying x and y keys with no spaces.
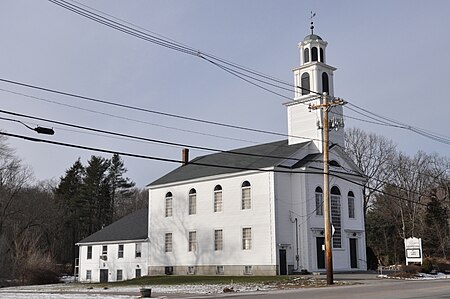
{"x":313,"y":14}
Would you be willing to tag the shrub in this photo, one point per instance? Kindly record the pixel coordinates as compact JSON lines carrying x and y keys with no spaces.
{"x":427,"y":265}
{"x":38,"y":268}
{"x":411,"y":269}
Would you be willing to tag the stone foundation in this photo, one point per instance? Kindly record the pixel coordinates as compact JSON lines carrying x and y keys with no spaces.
{"x":227,"y":270}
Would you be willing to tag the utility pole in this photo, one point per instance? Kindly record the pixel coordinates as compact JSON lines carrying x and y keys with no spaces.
{"x":326,"y":105}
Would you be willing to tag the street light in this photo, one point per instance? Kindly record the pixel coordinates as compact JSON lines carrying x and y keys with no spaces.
{"x":38,"y":129}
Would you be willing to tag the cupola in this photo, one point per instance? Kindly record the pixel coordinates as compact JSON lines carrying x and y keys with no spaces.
{"x":312,"y":78}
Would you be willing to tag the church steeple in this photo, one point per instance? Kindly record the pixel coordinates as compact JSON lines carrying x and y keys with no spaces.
{"x":312,"y":78}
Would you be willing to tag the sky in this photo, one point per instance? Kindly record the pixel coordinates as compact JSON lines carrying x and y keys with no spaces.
{"x":392,"y":59}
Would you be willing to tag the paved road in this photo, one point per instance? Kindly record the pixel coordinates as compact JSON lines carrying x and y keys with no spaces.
{"x":370,"y":290}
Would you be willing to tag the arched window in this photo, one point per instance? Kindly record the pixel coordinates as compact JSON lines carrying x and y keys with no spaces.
{"x":336,"y":216}
{"x":192,"y":202}
{"x":306,"y":55}
{"x":246,"y":196}
{"x":305,"y":83}
{"x":351,"y":205}
{"x":168,"y":209}
{"x":314,"y":54}
{"x":325,"y":84}
{"x":319,"y":201}
{"x":218,"y":198}
{"x":321,"y":55}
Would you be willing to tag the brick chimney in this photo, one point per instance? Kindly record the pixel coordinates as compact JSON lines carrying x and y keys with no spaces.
{"x":185,"y":156}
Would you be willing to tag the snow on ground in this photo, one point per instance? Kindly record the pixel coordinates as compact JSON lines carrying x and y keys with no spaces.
{"x":84,"y":291}
{"x":420,"y":276}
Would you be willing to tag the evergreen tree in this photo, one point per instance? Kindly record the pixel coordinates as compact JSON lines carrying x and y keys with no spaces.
{"x":96,"y":192}
{"x":436,"y":233}
{"x":73,"y":208}
{"x":120,"y":187}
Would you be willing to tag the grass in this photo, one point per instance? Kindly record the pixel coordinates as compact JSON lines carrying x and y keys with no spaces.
{"x":199,"y":279}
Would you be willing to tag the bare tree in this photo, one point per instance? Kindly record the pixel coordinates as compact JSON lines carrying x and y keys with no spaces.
{"x":374,"y":155}
{"x":415,"y":179}
{"x":14,"y":177}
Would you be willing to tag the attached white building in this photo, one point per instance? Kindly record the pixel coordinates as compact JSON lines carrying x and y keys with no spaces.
{"x":258,"y":210}
{"x":117,"y":252}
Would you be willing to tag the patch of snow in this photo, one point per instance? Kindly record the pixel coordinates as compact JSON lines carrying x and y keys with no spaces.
{"x":75,"y":290}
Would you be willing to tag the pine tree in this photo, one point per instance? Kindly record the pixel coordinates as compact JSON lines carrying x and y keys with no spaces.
{"x":96,"y":193}
{"x":120,"y":186}
{"x":72,"y":205}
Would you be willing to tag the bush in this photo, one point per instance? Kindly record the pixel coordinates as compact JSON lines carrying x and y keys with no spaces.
{"x":411,"y":269}
{"x":38,"y":268}
{"x":427,"y":265}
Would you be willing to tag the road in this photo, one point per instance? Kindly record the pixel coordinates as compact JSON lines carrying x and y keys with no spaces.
{"x":373,"y":290}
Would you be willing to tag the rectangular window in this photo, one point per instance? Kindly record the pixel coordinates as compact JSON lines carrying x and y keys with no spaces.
{"x":246,"y":238}
{"x":248,"y":270}
{"x":168,"y":242}
{"x":192,"y":204}
{"x":119,"y":275}
{"x":88,"y":274}
{"x":351,"y":207}
{"x":220,"y":270}
{"x":104,"y":255}
{"x":319,"y":204}
{"x":246,"y":198}
{"x":138,"y":273}
{"x":336,"y":220}
{"x":191,"y":270}
{"x":218,"y":201}
{"x":169,"y":210}
{"x":138,"y":250}
{"x":89,"y":252}
{"x":120,"y":254}
{"x":192,"y":241}
{"x":218,"y":239}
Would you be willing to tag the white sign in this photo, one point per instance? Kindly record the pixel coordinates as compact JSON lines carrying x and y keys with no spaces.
{"x":413,"y":250}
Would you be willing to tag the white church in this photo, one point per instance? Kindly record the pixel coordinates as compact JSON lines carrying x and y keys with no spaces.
{"x":262,"y":214}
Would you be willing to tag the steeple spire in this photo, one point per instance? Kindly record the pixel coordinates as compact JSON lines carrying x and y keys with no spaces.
{"x":313,"y":14}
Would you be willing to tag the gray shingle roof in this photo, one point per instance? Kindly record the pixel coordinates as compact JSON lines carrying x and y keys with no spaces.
{"x":253,"y":157}
{"x":134,"y":226}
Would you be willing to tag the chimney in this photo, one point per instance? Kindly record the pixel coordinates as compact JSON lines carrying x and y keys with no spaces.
{"x":185,"y":156}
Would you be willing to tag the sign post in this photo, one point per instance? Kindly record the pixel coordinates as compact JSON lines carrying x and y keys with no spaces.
{"x":413,"y":250}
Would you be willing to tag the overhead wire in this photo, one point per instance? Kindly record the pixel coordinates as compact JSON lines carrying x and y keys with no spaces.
{"x":232,"y":68}
{"x":164,"y":142}
{"x":171,"y":45}
{"x":227,"y":62}
{"x":189,"y":51}
{"x":127,"y":154}
{"x":173,"y":115}
{"x":394,"y":123}
{"x":128,"y":118}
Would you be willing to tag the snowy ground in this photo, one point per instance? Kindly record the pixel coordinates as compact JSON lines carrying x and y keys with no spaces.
{"x":420,"y":276}
{"x":73,"y":290}
{"x":85,"y":291}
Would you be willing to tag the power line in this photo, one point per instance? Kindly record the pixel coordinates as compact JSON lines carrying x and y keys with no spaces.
{"x":110,"y":103}
{"x":127,"y":118}
{"x":108,"y":151}
{"x":146,"y":139}
{"x":174,"y":45}
{"x":393,"y":123}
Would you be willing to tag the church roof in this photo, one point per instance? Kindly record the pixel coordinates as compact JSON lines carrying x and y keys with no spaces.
{"x":134,"y":226}
{"x":248,"y":158}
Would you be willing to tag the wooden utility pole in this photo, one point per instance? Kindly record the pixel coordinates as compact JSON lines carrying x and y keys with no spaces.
{"x":326,"y":106}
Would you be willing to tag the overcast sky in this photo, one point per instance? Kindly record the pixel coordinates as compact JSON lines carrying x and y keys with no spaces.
{"x":392,"y":58}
